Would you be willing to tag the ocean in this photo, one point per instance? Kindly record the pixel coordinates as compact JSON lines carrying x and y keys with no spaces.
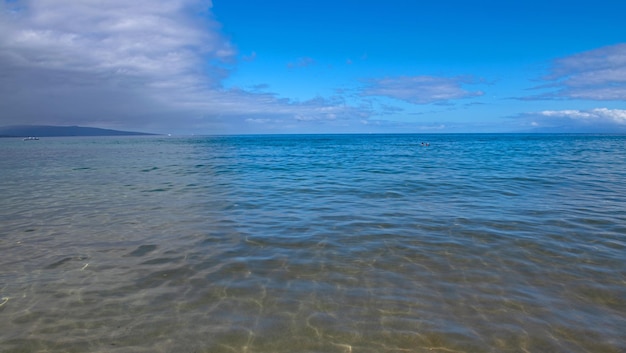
{"x":314,"y":243}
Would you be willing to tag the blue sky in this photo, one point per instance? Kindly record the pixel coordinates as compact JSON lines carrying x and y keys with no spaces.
{"x":235,"y":67}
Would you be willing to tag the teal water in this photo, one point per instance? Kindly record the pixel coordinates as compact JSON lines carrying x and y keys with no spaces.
{"x":320,"y":243}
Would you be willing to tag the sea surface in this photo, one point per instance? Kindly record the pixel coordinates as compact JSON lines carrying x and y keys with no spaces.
{"x":314,"y":243}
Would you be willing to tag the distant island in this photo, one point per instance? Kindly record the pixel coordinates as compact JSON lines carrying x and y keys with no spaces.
{"x":58,"y":131}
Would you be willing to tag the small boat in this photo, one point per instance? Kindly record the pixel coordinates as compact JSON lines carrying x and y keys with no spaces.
{"x":31,"y":138}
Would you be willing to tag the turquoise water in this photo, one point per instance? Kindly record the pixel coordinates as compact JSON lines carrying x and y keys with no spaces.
{"x":320,"y":243}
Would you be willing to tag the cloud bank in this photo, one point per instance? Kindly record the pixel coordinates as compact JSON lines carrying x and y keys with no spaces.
{"x":598,"y":74}
{"x":572,"y":120}
{"x":106,"y":62}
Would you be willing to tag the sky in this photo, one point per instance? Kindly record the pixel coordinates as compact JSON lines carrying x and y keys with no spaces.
{"x":340,"y":66}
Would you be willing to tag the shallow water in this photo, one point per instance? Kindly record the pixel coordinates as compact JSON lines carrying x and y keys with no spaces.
{"x":321,"y":243}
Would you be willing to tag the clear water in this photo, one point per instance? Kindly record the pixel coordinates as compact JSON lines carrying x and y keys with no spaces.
{"x":322,"y":243}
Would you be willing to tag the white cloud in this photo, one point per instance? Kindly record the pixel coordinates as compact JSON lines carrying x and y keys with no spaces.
{"x":593,"y":120}
{"x":598,"y":74}
{"x":141,"y":38}
{"x":617,"y":116}
{"x":420,"y":89}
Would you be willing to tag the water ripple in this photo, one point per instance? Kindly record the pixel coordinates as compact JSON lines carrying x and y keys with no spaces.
{"x":344,"y":243}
